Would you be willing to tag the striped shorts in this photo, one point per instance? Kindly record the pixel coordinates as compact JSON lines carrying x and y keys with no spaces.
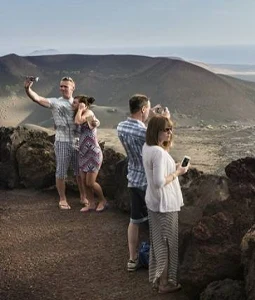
{"x":163,"y":245}
{"x":66,"y":156}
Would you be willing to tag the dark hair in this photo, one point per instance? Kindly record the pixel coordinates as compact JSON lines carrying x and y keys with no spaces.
{"x":136,"y":102}
{"x":155,"y":125}
{"x":85,"y":99}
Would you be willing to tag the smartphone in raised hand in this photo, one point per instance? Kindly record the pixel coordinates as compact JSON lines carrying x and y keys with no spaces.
{"x":185,"y":161}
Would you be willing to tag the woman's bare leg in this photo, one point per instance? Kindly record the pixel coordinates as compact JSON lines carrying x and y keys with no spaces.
{"x":82,"y":189}
{"x":90,"y":200}
{"x":91,"y":183}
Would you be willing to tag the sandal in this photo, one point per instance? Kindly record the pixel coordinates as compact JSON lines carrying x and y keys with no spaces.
{"x":64,"y":205}
{"x":168,"y":288}
{"x":87,"y":208}
{"x":84,"y":202}
{"x":105,"y":206}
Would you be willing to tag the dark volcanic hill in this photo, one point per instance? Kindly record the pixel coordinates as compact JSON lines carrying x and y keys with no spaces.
{"x":183,"y":87}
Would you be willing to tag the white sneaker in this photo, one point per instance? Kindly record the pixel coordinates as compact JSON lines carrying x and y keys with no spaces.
{"x":133,"y":265}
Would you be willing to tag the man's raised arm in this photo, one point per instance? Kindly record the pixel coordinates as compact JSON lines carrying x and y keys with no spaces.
{"x":34,"y":96}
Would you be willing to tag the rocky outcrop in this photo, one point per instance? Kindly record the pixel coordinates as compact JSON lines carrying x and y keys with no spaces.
{"x":211,"y":250}
{"x":248,"y":260}
{"x":224,"y":290}
{"x":122,"y":197}
{"x":106,"y":176}
{"x":242,"y":178}
{"x":8,"y":145}
{"x":14,"y":147}
{"x":198,"y":190}
{"x":36,"y":163}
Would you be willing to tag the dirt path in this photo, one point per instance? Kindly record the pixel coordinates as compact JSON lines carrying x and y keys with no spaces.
{"x":50,"y":254}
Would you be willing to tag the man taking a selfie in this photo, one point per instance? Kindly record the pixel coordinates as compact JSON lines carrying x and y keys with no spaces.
{"x":66,"y":155}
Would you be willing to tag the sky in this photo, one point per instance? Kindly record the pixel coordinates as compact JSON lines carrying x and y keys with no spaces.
{"x":149,"y":27}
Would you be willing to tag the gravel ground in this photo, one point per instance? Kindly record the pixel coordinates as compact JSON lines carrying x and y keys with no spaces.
{"x":50,"y":254}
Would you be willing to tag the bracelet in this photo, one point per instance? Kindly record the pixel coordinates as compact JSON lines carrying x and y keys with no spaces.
{"x":174,"y":176}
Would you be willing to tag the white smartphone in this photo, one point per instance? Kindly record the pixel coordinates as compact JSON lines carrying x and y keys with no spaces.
{"x":185,"y":161}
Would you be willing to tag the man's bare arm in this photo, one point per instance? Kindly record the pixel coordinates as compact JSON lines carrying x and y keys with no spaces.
{"x":34,"y":96}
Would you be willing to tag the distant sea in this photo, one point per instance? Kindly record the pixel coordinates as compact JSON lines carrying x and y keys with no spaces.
{"x":229,"y":54}
{"x":216,"y":54}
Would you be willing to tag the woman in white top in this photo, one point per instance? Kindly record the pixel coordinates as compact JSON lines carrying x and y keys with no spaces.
{"x":164,"y":200}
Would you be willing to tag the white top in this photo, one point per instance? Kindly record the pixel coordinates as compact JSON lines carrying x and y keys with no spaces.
{"x":161,"y":197}
{"x":63,"y":116}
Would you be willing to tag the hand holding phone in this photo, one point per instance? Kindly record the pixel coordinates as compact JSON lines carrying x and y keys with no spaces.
{"x":166,"y":113}
{"x":185,"y":161}
{"x":158,"y":109}
{"x":32,"y":78}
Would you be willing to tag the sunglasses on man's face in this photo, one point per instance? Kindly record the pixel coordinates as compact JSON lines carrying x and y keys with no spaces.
{"x":67,"y":79}
{"x":168,"y":129}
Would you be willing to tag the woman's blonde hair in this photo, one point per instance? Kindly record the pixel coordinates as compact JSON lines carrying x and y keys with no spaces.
{"x":155,"y":126}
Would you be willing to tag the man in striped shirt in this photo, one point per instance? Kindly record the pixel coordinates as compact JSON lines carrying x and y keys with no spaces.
{"x":132,"y":133}
{"x":66,"y":154}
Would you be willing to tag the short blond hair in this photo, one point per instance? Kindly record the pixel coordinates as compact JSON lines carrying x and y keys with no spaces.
{"x":68,"y":79}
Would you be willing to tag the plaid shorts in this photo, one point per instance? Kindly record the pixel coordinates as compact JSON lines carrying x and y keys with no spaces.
{"x":66,"y":156}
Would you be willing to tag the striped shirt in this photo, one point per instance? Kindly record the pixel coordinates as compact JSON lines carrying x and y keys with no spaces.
{"x":132,"y":134}
{"x":63,"y":116}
